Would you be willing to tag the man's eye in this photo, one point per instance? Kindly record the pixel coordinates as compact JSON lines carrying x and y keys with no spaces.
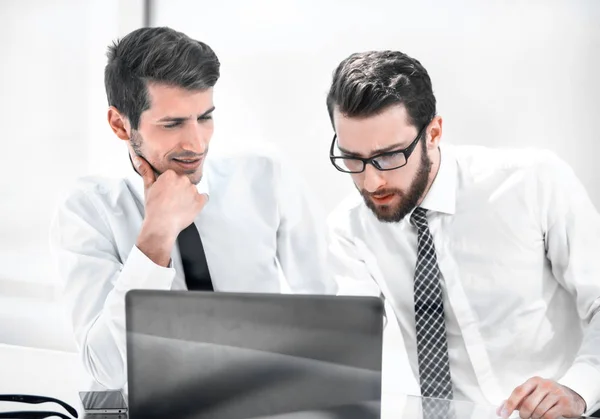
{"x":172,"y":125}
{"x":205,"y":118}
{"x":392,"y":156}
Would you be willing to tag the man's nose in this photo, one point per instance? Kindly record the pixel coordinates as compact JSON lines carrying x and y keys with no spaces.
{"x":196,"y":138}
{"x":373,"y":179}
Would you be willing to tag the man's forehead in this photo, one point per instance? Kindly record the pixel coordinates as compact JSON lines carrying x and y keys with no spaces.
{"x":165,"y":99}
{"x":366,"y":134}
{"x":395,"y":113}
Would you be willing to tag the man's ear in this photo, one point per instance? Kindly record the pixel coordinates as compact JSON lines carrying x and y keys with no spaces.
{"x":119,"y":123}
{"x":434,"y":133}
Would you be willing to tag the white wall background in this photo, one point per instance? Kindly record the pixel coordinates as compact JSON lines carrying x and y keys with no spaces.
{"x":506,"y":73}
{"x":53,"y":129}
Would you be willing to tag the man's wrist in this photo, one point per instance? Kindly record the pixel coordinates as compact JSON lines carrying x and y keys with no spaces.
{"x":583,"y":379}
{"x":156,"y":243}
{"x":580,"y":401}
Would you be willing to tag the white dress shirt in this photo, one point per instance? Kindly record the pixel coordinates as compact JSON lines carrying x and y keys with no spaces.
{"x":259,"y":230}
{"x":518,"y":245}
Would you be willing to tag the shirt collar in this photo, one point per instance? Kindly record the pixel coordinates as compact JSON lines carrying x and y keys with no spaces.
{"x":441,"y":197}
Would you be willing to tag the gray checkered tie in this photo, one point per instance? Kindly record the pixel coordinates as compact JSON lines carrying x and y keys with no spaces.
{"x":437,"y":409}
{"x":432,"y":347}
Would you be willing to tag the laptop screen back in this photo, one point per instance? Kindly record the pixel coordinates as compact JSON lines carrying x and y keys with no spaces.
{"x":227,"y":355}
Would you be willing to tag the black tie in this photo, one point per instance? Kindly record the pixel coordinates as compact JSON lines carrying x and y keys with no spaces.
{"x":195,"y":267}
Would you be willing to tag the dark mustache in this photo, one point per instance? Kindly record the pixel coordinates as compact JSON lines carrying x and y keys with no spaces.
{"x":187,"y":155}
{"x":382,"y":192}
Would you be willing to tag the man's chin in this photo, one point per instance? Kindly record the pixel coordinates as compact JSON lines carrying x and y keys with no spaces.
{"x":194,"y":178}
{"x":388,"y":213}
{"x":193,"y":175}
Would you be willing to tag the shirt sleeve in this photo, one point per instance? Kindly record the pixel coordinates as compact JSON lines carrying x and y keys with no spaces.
{"x":354,"y":269}
{"x":94,"y":283}
{"x":346,"y":265}
{"x":572,"y":228}
{"x":301,"y":235}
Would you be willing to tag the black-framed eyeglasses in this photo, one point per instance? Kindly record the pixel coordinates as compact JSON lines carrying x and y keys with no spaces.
{"x":23,"y":398}
{"x":388,"y":160}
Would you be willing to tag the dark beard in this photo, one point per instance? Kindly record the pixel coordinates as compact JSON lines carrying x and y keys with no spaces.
{"x":136,"y":144}
{"x":136,"y":140}
{"x":407,"y":201}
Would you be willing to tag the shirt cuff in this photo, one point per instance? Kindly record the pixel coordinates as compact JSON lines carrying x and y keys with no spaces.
{"x":584,"y":379}
{"x":140,"y":272}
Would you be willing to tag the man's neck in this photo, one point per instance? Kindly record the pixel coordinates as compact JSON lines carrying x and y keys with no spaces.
{"x":435,"y":168}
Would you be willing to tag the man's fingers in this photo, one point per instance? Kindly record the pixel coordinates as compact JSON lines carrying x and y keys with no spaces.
{"x":144,"y":169}
{"x":499,"y":408}
{"x":517,"y":397}
{"x":545,"y":405}
{"x":530,"y":403}
{"x":553,"y":413}
{"x":202,"y":199}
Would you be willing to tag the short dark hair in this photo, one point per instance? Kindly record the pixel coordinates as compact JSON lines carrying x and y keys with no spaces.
{"x":160,"y":55}
{"x":367,"y":83}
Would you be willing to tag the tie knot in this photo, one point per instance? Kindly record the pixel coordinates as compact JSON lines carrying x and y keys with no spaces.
{"x":419,"y":218}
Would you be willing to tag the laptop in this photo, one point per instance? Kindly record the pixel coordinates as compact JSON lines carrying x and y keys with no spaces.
{"x":217,"y":355}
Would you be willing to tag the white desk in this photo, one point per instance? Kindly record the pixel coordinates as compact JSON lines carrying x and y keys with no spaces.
{"x":44,"y":373}
{"x":60,"y":375}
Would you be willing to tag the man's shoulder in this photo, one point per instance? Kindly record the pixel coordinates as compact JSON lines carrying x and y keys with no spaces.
{"x":348,"y":214}
{"x":482,"y":160}
{"x":91,"y":202}
{"x":95,"y":190}
{"x":262,"y":167}
{"x":257,"y":157}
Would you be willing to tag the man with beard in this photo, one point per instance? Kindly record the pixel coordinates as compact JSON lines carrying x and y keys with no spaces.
{"x":157,"y":229}
{"x":487,"y":259}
